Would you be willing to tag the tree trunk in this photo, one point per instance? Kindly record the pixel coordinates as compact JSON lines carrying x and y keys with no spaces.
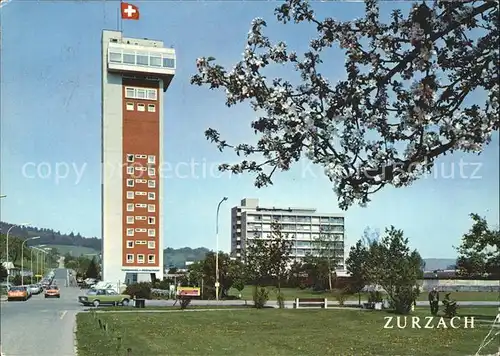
{"x":330,"y":279}
{"x":359,"y":298}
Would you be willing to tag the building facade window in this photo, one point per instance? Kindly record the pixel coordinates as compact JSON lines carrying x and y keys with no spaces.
{"x":151,"y":108}
{"x":130,"y":244}
{"x":140,"y":258}
{"x":151,"y":232}
{"x":151,"y":196}
{"x":130,"y":207}
{"x":151,"y":220}
{"x":130,"y":232}
{"x":130,"y":170}
{"x":130,"y":158}
{"x":151,"y":258}
{"x":130,"y":258}
{"x":141,"y":93}
{"x":141,"y":107}
{"x":130,"y":106}
{"x":130,"y":194}
{"x":151,"y":244}
{"x":151,"y":184}
{"x":130,"y":183}
{"x":130,"y":219}
{"x":151,"y":208}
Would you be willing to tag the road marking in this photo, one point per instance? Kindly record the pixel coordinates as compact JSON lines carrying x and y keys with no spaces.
{"x":63,"y":314}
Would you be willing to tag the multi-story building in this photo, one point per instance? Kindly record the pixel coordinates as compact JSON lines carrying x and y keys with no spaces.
{"x":250,"y":221}
{"x":135,"y":74}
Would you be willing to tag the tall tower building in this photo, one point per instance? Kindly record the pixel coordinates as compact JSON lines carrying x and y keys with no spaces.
{"x":135,"y":74}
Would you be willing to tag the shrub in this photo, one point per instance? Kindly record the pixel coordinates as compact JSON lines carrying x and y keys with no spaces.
{"x":375,"y":297}
{"x":280,"y":297}
{"x":239,"y":285}
{"x":450,"y":306}
{"x":340,"y":295}
{"x":184,"y":302}
{"x":302,"y":286}
{"x":404,"y":298}
{"x":260,"y":297}
{"x":164,"y":284}
{"x":140,"y":290}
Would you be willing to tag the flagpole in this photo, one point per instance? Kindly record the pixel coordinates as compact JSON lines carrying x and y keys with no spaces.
{"x":121,"y":17}
{"x":118,"y":14}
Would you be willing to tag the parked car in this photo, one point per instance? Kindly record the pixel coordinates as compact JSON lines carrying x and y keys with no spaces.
{"x":27,"y":287}
{"x":34,"y":289}
{"x":104,"y":297}
{"x":52,"y":292}
{"x":17,"y":293}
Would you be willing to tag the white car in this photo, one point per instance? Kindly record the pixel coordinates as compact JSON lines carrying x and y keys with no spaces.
{"x":34,"y":289}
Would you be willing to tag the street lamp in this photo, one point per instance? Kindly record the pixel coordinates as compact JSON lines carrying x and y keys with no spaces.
{"x":7,"y":246}
{"x":3,"y":196}
{"x":39,"y":266}
{"x":38,"y":250}
{"x":22,"y":257}
{"x":217,"y":250}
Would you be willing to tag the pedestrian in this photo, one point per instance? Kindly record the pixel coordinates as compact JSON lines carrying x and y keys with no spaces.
{"x":434,"y":301}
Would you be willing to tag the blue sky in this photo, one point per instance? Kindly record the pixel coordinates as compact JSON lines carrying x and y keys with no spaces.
{"x":50,"y":110}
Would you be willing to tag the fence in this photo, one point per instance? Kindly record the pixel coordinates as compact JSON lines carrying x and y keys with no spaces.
{"x":113,"y":337}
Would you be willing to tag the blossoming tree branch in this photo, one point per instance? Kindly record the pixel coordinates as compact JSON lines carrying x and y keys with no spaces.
{"x":403,"y":102}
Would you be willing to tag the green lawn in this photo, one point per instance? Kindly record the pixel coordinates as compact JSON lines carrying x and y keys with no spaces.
{"x":292,"y":293}
{"x":272,"y":332}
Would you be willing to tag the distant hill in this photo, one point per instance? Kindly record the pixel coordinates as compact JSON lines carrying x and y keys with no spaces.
{"x":74,"y":250}
{"x":77,"y":245}
{"x":52,"y":237}
{"x":178,"y":257}
{"x":432,"y":264}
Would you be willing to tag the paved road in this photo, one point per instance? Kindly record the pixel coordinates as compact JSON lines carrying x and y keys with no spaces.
{"x":41,"y":326}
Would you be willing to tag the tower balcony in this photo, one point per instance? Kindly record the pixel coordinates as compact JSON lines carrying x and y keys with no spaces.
{"x":154,"y":62}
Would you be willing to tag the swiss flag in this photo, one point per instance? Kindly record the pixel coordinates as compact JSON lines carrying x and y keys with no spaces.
{"x":129,"y":11}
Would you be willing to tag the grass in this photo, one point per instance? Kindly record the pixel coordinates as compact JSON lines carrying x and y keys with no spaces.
{"x":272,"y":332}
{"x":292,"y":293}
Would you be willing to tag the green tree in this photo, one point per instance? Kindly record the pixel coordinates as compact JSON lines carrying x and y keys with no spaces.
{"x":392,"y":265}
{"x":3,"y":272}
{"x":229,"y":272}
{"x":402,"y":103}
{"x":92,"y":269}
{"x":356,"y":266}
{"x":296,"y":273}
{"x":14,"y":249}
{"x":480,"y":249}
{"x":328,"y":252}
{"x":269,"y":257}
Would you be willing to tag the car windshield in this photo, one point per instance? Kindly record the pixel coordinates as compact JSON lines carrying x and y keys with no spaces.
{"x":54,"y":287}
{"x":91,"y":292}
{"x":17,"y":289}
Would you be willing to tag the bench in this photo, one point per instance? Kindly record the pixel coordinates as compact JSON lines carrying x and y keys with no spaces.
{"x":310,"y":303}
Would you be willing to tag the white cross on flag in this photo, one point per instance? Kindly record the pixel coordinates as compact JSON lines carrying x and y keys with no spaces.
{"x":129,"y":11}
